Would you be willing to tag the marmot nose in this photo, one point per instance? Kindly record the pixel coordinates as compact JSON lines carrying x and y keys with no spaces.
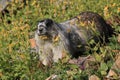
{"x":41,"y":29}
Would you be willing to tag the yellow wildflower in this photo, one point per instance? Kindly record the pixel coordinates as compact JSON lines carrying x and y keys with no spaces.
{"x":118,"y":10}
{"x":56,"y":38}
{"x":113,"y":5}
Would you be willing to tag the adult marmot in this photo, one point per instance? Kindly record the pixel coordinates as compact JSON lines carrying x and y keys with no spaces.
{"x":71,"y":36}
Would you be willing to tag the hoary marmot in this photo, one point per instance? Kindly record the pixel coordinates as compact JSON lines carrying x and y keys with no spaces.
{"x":71,"y":36}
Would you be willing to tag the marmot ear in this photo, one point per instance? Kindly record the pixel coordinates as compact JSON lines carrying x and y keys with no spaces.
{"x":48,"y":22}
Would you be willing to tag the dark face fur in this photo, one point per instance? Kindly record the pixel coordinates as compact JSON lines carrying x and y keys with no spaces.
{"x":46,"y":28}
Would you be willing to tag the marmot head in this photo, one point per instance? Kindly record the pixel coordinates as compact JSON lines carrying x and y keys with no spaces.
{"x":47,"y":28}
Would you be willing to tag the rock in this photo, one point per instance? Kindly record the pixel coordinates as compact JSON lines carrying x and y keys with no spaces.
{"x":3,"y":4}
{"x":94,"y":77}
{"x":118,"y":38}
{"x":83,"y":62}
{"x":117,"y":62}
{"x":32,"y":43}
{"x":114,"y":71}
{"x":111,"y":73}
{"x":53,"y":77}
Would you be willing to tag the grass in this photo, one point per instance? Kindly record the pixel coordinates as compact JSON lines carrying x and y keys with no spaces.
{"x":16,"y":62}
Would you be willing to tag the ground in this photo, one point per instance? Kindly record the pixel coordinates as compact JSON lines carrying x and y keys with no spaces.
{"x":19,"y":20}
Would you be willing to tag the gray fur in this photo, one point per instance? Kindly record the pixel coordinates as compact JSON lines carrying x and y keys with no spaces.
{"x":73,"y":37}
{"x":49,"y":51}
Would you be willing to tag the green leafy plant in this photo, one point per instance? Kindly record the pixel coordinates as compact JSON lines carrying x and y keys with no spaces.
{"x":16,"y":62}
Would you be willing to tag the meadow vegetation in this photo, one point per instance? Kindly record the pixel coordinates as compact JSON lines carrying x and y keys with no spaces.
{"x":16,"y":61}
